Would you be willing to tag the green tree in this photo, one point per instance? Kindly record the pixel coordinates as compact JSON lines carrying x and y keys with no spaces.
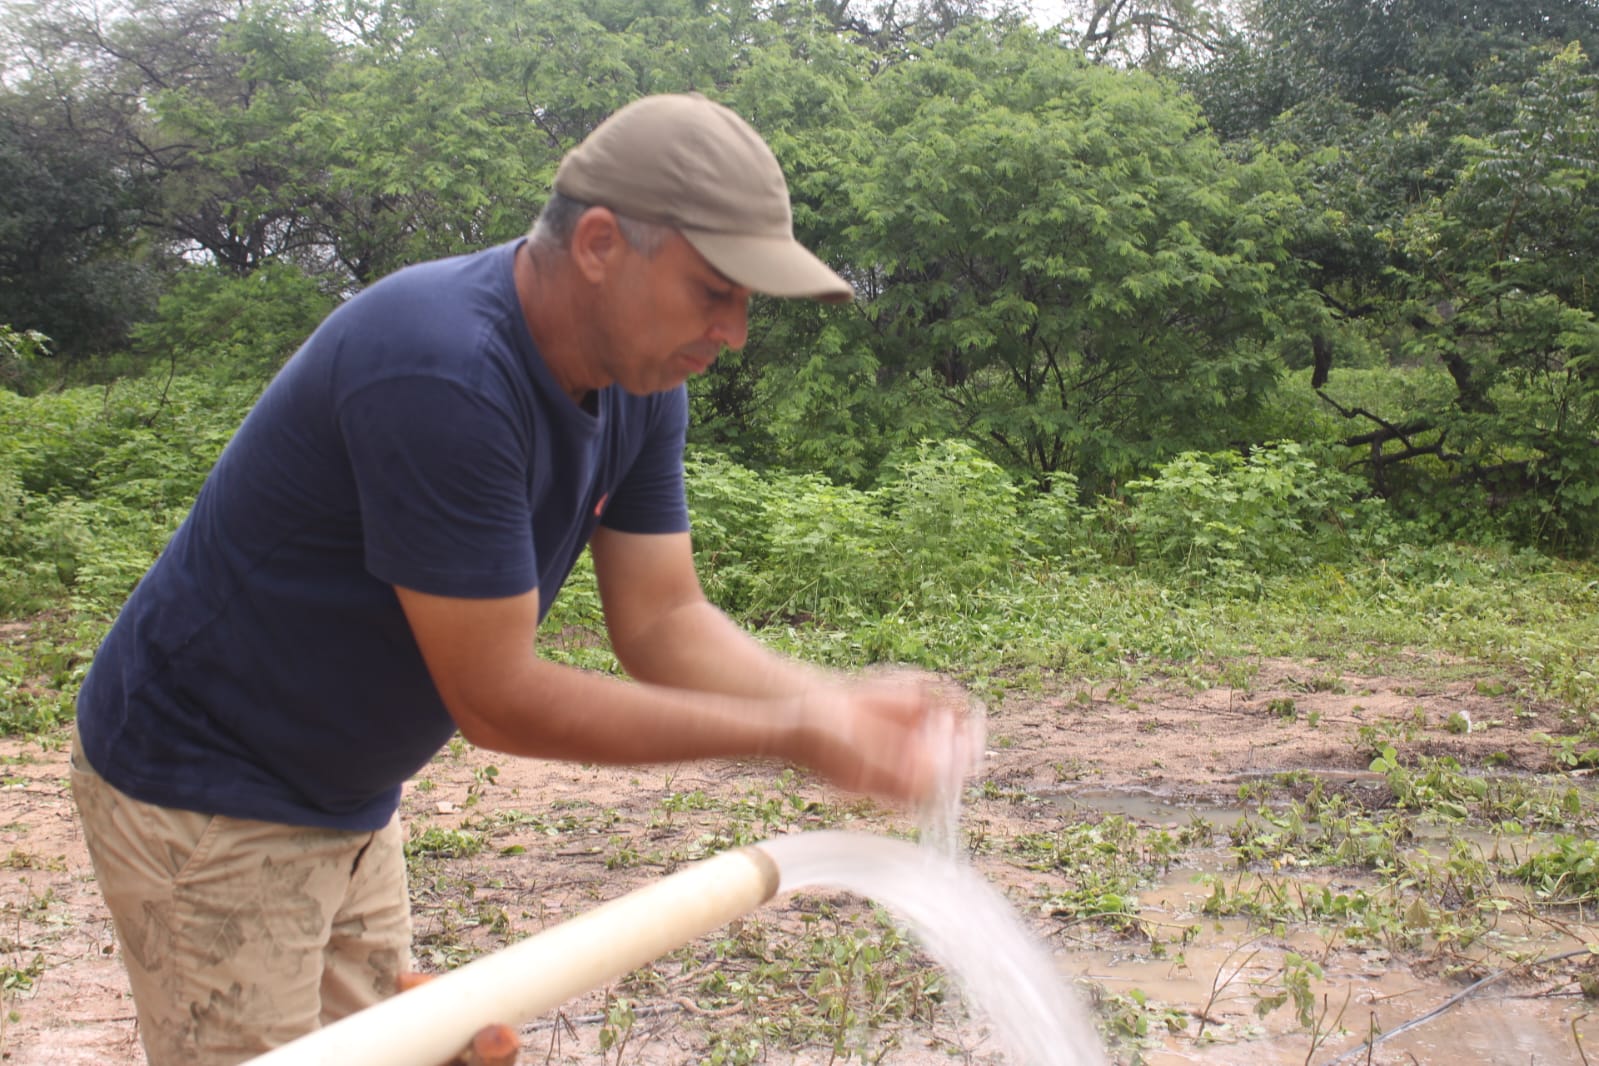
{"x":1155,"y":35}
{"x":804,"y":392}
{"x":1284,"y":53}
{"x":192,"y":102}
{"x":236,"y":181}
{"x":1499,"y":288}
{"x":74,"y":262}
{"x":1062,"y":262}
{"x":67,"y":221}
{"x":445,"y":124}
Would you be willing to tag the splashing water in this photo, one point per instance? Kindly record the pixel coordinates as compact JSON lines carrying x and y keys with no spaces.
{"x":965,"y":924}
{"x":959,"y":918}
{"x":960,"y":742}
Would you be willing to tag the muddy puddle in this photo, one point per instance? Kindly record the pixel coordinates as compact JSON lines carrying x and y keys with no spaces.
{"x":1205,"y":986}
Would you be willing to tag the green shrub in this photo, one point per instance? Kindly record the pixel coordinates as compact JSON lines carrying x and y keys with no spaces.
{"x":727,"y":505}
{"x":1233,"y":518}
{"x":20,"y":355}
{"x":93,"y":481}
{"x":951,"y":518}
{"x":230,"y":327}
{"x":827,"y":553}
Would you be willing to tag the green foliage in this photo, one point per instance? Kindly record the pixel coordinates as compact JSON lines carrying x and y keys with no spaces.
{"x":15,"y":979}
{"x":825,"y":553}
{"x":947,"y":563}
{"x":436,"y":843}
{"x":844,"y":982}
{"x":786,"y":548}
{"x":1297,"y":974}
{"x":69,"y":243}
{"x":1451,"y":228}
{"x":250,"y":185}
{"x":20,"y":353}
{"x":1066,"y":283}
{"x":953,"y":517}
{"x":1057,"y":527}
{"x":1436,"y":785}
{"x":1043,"y":581}
{"x":1572,"y":753}
{"x":1104,"y":864}
{"x":1231,"y":519}
{"x":36,"y":691}
{"x":1289,"y":52}
{"x":1133,"y":1018}
{"x":1321,"y":830}
{"x":1061,"y":260}
{"x":800,"y":548}
{"x":1497,"y":291}
{"x":1057,"y":260}
{"x":94,"y":481}
{"x":1566,"y":872}
{"x":728,"y":505}
{"x":618,"y":1026}
{"x":228,"y":326}
{"x":807,"y":393}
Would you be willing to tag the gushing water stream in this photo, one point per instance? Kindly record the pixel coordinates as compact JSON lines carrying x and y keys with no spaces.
{"x":965,"y":924}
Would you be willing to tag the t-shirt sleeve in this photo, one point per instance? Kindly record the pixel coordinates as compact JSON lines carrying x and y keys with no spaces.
{"x":650,"y":498}
{"x":440,"y":472}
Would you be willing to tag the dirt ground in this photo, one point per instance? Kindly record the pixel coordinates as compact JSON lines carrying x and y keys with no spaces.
{"x":561,"y":838}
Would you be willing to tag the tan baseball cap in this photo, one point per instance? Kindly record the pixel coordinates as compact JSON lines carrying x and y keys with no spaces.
{"x":685,"y":161}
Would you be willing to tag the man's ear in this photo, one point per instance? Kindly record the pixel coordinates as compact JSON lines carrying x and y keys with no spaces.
{"x":596,"y":243}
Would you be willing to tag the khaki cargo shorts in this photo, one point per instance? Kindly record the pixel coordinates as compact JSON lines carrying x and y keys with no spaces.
{"x":239,"y":936}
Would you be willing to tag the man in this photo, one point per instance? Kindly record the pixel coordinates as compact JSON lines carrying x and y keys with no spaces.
{"x":365,"y":570}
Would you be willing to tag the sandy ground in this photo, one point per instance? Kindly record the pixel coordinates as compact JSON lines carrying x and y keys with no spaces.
{"x":561,"y":838}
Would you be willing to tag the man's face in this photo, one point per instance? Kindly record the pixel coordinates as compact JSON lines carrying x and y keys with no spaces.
{"x":670,"y":316}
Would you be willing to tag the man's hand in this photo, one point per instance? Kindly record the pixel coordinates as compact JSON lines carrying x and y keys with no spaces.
{"x":907,"y":738}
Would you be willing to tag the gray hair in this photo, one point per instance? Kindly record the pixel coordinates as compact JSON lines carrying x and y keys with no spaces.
{"x":558,"y":220}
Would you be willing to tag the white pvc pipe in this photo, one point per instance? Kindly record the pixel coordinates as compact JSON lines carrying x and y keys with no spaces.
{"x":434,"y":1022}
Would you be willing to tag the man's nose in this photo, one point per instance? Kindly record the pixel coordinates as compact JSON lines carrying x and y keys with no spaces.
{"x":731,"y":327}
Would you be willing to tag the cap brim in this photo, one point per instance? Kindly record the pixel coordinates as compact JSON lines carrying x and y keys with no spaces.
{"x":776,"y":266}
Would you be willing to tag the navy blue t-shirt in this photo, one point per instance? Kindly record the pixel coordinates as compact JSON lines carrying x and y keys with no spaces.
{"x":263,"y":668}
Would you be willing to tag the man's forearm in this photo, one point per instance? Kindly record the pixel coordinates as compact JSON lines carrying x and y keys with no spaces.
{"x":562,"y":712}
{"x":698,"y":647}
{"x":706,"y":689}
